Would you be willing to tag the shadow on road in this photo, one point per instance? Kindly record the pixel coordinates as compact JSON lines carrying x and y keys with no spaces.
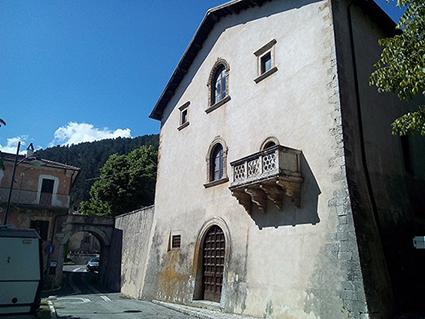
{"x":77,"y":281}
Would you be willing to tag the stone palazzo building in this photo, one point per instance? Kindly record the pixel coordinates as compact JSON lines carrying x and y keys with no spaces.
{"x":281,"y":192}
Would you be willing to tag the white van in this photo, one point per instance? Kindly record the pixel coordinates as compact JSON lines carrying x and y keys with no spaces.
{"x":20,"y":270}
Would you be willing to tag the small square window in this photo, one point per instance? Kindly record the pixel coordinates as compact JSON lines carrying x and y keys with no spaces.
{"x":266,"y":62}
{"x":266,"y":65}
{"x":175,"y":241}
{"x":184,"y":116}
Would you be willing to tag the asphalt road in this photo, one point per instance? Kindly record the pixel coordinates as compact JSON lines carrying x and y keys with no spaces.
{"x":82,"y":298}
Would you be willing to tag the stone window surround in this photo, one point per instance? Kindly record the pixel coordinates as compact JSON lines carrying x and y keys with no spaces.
{"x":269,"y":47}
{"x":173,"y":234}
{"x":182,"y":125}
{"x":211,"y":86}
{"x":267,"y":140}
{"x":55,"y":187}
{"x":225,"y":178}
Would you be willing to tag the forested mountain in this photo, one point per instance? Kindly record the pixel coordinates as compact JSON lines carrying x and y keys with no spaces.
{"x":90,"y":157}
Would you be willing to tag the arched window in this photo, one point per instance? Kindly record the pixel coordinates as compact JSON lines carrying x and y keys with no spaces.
{"x":269,"y":142}
{"x":219,"y":87}
{"x":217,"y":163}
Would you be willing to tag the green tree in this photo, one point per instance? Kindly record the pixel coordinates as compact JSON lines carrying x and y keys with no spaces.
{"x":126,"y":182}
{"x":401,"y":67}
{"x":90,"y":157}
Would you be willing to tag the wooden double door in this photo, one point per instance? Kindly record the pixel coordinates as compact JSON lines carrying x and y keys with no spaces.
{"x":213,"y":252}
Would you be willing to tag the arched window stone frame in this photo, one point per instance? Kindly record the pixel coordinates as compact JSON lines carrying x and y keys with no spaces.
{"x":211,"y":84}
{"x":268,"y":140}
{"x":210,"y":182}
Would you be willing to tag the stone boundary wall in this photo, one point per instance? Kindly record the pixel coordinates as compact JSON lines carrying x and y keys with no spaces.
{"x":134,"y":229}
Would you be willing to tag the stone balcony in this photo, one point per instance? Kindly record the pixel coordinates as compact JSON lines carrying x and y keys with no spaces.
{"x":273,"y":174}
{"x":26,"y":198}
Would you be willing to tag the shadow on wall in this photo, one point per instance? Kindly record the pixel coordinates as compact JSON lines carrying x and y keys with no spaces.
{"x":290,"y":215}
{"x":112,"y":276}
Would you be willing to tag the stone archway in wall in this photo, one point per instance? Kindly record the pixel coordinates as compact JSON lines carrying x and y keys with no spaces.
{"x":213,"y":242}
{"x":100,"y":227}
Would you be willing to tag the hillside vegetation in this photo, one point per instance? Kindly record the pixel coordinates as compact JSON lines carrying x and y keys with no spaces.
{"x":90,"y":157}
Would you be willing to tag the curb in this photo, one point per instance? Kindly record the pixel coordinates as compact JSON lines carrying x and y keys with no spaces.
{"x":182,"y":310}
{"x":53,"y":314}
{"x":201,"y":313}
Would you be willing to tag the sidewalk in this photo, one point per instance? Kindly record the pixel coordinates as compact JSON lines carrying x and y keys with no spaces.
{"x":201,"y":313}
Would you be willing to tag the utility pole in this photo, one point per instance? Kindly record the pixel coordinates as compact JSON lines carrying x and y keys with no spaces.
{"x":11,"y":183}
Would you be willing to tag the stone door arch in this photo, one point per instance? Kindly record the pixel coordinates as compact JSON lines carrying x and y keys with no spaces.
{"x":212,"y":257}
{"x":100,"y":227}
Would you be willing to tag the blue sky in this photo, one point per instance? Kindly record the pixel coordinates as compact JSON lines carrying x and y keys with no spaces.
{"x":79,"y":70}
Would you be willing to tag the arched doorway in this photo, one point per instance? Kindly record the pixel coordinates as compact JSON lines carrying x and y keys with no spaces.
{"x":83,"y":263}
{"x":81,"y":247}
{"x":211,"y":260}
{"x":213,"y":254}
{"x":100,"y":228}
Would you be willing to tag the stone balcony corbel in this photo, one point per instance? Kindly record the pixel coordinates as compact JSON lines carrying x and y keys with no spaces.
{"x":272,"y":174}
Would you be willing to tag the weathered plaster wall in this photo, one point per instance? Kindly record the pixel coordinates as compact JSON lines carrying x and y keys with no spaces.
{"x":133,"y":230}
{"x":293,"y":263}
{"x":112,"y":276}
{"x":28,"y":184}
{"x":380,"y":186}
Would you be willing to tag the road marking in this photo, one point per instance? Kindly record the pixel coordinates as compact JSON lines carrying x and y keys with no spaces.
{"x":52,"y":310}
{"x":82,"y":300}
{"x":77,"y":269}
{"x":105,"y":298}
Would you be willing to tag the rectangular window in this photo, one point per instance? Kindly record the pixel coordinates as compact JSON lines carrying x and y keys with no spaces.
{"x":266,"y":62}
{"x":42,"y":228}
{"x":266,"y":65}
{"x":184,"y":115}
{"x":175,"y":241}
{"x":46,"y":191}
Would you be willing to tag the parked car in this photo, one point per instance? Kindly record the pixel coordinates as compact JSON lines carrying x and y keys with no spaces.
{"x":93,"y":264}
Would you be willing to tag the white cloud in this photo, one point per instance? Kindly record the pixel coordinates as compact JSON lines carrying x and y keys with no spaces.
{"x":12,"y":144}
{"x":74,"y":133}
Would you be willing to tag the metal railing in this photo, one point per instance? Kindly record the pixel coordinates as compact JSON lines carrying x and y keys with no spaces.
{"x":26,"y":197}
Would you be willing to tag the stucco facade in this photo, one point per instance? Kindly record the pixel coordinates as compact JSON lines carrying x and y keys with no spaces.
{"x":302,"y":260}
{"x":31,"y":200}
{"x":41,"y":192}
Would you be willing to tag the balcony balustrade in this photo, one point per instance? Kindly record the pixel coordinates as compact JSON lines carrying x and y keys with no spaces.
{"x":271,"y":175}
{"x":32,"y":198}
